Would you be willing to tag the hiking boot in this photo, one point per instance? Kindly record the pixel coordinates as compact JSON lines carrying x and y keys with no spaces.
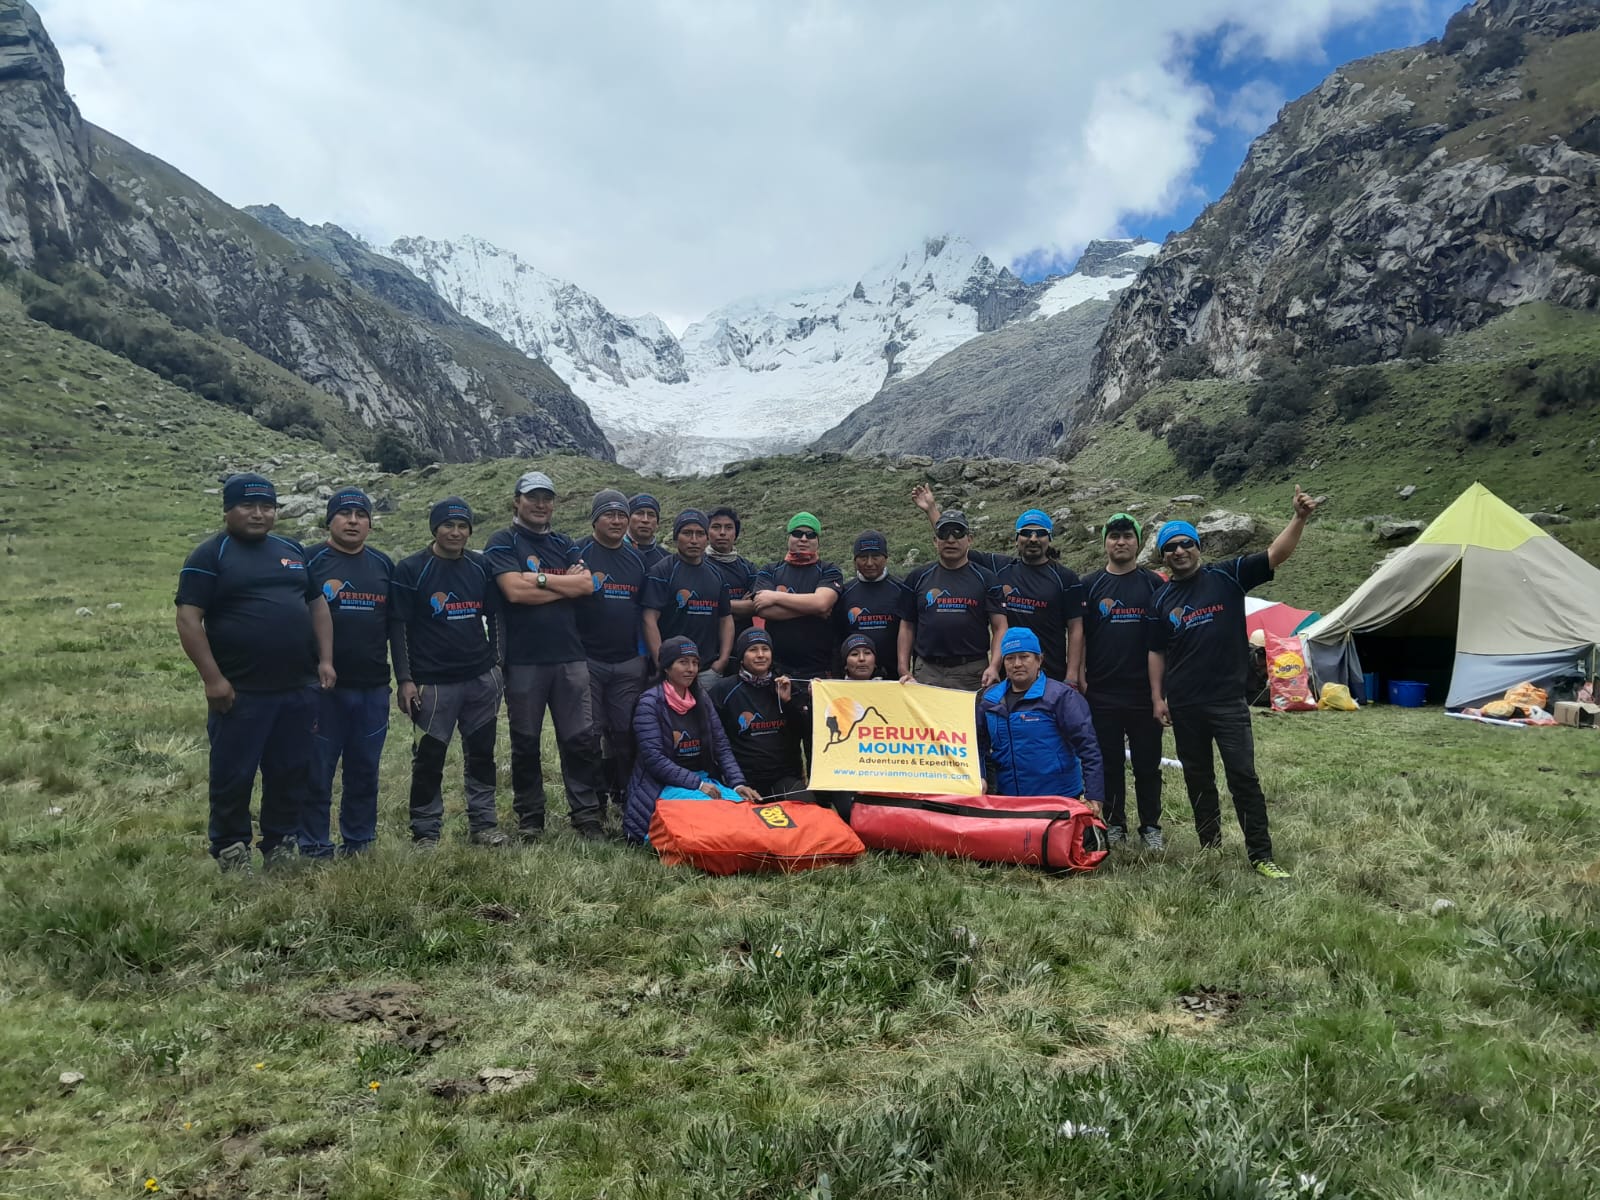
{"x":1268,"y":869}
{"x":235,"y":859}
{"x":425,"y":845}
{"x":488,"y":837}
{"x":590,"y":833}
{"x":1153,"y":839}
{"x":529,"y":835}
{"x":281,"y":857}
{"x":1116,"y":835}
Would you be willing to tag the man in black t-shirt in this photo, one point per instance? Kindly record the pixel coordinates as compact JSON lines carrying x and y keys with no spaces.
{"x":954,"y":624}
{"x":1198,"y":648}
{"x":254,"y":623}
{"x":1117,"y":666}
{"x":447,"y":641}
{"x":353,"y":717}
{"x":739,"y":572}
{"x":611,"y":625}
{"x":1036,"y":592}
{"x":874,"y":602}
{"x":796,"y":596}
{"x":545,"y":583}
{"x":685,"y":596}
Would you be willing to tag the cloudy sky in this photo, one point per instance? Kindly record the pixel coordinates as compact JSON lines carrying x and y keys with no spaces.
{"x":672,"y":155}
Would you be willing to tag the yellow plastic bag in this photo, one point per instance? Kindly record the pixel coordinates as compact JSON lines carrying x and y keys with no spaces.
{"x":1337,"y":697}
{"x":1525,"y":695}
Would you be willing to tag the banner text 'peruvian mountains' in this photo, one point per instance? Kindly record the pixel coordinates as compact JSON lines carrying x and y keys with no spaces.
{"x":880,"y":736}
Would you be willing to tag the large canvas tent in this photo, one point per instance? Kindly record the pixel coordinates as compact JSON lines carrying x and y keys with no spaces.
{"x":1481,"y":601}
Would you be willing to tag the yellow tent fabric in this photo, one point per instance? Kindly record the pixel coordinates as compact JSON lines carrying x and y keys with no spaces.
{"x":1478,"y":517}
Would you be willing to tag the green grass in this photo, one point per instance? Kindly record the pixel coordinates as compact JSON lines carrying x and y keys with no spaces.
{"x":928,"y":1029}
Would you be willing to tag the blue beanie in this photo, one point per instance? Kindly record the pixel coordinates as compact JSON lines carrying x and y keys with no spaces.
{"x":246,"y":486}
{"x":349,"y":498}
{"x":451,"y":508}
{"x":689,"y":516}
{"x":1018,"y":640}
{"x":1174,"y":529}
{"x":644,"y":500}
{"x":674,"y":648}
{"x":1035,"y":516}
{"x":750,"y":637}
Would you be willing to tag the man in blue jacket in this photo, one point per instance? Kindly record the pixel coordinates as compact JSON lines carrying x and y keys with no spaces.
{"x":1035,"y":734}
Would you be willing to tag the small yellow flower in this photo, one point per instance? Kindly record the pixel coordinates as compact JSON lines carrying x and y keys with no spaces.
{"x":150,"y":1185}
{"x":188,"y":1124}
{"x":259,"y":1067}
{"x":374,"y":1086}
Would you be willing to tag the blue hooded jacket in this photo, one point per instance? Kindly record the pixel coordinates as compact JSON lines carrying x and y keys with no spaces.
{"x":1046,"y":746}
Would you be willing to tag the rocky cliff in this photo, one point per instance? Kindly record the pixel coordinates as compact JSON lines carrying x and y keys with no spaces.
{"x":74,"y":194}
{"x":1003,"y":394}
{"x":1422,"y":189}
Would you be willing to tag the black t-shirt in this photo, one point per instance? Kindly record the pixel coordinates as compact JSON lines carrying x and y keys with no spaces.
{"x":443,"y":604}
{"x":254,"y":595}
{"x":1042,"y":598}
{"x":689,"y":741}
{"x":1116,"y":643}
{"x":803,"y":646}
{"x":738,"y":575}
{"x":765,"y":744}
{"x":1198,"y":623}
{"x":951,"y":610}
{"x":692,"y":600}
{"x":356,"y":587}
{"x":654,"y":554}
{"x":537,"y":633}
{"x":609,"y":621}
{"x":876,"y":610}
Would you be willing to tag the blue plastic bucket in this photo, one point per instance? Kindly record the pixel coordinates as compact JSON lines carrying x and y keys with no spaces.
{"x":1407,"y":693}
{"x":1371,"y":682}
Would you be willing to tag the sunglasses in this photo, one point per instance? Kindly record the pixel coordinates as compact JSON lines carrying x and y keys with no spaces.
{"x":807,"y":534}
{"x":951,"y":534}
{"x":1034,"y":533}
{"x":1178,"y":544}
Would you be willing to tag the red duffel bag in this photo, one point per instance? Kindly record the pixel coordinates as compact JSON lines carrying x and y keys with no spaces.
{"x":1035,"y":831}
{"x":725,"y":838}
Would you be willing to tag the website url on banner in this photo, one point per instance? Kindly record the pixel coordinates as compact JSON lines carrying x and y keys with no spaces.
{"x":843,"y":771}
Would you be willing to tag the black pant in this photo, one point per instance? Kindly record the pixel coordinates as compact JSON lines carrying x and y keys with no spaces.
{"x":1113,"y":723}
{"x":271,"y":732}
{"x":1227,"y":723}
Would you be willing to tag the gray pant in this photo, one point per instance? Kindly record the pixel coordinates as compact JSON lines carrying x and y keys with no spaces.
{"x":614,"y":690}
{"x":968,"y":677}
{"x":473,"y":708}
{"x":563,"y":688}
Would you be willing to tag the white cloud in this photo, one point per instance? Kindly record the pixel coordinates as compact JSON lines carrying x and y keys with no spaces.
{"x":673,"y":154}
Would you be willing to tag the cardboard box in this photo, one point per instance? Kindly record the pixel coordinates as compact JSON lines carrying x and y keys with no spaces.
{"x":1577,"y":714}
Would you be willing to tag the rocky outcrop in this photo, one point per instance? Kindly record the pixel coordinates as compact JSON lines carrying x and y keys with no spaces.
{"x":71,"y":193}
{"x":1422,"y":189}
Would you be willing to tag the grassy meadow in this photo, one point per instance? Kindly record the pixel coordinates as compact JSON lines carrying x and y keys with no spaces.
{"x":1169,"y":1027}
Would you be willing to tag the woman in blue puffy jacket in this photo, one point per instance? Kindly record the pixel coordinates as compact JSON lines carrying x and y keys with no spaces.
{"x":1035,"y":734}
{"x":681,"y":742}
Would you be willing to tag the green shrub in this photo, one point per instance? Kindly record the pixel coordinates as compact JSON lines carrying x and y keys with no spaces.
{"x":1278,"y":444}
{"x":1153,"y":417}
{"x":393,"y":452}
{"x":1288,"y":388}
{"x":1480,"y":424}
{"x":1424,"y":344}
{"x":1187,"y":362}
{"x":1359,"y":390}
{"x":295,"y":417}
{"x":1501,"y":49}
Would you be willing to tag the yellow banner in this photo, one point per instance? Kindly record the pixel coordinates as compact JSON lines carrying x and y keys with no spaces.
{"x":880,"y":736}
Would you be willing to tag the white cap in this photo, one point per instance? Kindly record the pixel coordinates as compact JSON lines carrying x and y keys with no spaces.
{"x":535,"y":481}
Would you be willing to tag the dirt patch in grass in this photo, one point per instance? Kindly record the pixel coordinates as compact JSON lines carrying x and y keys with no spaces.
{"x":396,"y":1006}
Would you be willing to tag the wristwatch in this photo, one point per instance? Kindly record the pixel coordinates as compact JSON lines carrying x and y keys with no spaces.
{"x":542,"y":579}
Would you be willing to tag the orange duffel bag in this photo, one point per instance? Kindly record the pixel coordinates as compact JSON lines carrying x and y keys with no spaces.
{"x":1060,"y":833}
{"x":724,"y":838}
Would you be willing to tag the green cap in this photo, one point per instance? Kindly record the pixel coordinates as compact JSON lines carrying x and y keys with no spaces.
{"x":1138,"y":529}
{"x":803,"y":520}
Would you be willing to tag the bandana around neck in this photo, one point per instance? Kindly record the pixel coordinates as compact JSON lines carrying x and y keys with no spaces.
{"x":679,"y":702}
{"x":801,"y":558}
{"x":752,"y":678}
{"x":731,"y":556}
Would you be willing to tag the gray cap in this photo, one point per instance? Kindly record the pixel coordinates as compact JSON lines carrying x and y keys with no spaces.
{"x":952,"y":516}
{"x":607,"y":500}
{"x":535,"y":481}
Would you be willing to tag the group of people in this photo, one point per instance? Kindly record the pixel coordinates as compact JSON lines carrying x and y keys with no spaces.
{"x":692,"y":667}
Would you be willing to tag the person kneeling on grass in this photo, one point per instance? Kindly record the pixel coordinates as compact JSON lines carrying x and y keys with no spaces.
{"x":763,"y":727}
{"x":680,"y":741}
{"x":1035,"y":735}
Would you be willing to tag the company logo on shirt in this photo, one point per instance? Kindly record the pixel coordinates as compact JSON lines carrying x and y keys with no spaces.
{"x":694,"y":604}
{"x":533,"y":562}
{"x":685,"y":745}
{"x":863,"y":618}
{"x":294,"y":564}
{"x":1115,"y":611}
{"x":339,"y":594}
{"x":754,"y":722}
{"x":608,"y":588}
{"x":1012,"y":600}
{"x":448,"y":606}
{"x":1183,"y":618}
{"x":940,"y":600}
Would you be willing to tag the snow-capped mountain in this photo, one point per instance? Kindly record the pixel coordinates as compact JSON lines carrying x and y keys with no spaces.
{"x":760,"y":375}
